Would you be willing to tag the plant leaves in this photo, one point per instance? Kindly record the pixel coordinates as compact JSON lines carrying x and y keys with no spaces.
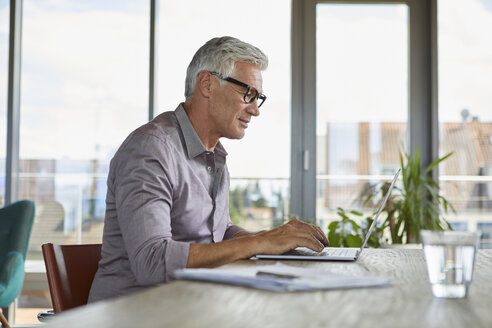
{"x":355,"y":226}
{"x":333,"y":226}
{"x":334,"y":239}
{"x":353,"y":241}
{"x":436,"y":162}
{"x":356,"y":213}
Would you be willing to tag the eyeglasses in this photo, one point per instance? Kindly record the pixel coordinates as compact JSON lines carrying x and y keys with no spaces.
{"x":251,"y":93}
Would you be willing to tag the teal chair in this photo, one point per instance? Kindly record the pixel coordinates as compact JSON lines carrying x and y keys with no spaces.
{"x":16,"y":222}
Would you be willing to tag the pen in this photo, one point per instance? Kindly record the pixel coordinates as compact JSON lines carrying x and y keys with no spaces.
{"x":275,"y":275}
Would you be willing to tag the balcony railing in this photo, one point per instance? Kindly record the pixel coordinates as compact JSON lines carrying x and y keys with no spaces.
{"x":71,"y":205}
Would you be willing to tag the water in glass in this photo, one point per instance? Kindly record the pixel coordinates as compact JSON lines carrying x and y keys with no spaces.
{"x":450,"y":256}
{"x":450,"y":269}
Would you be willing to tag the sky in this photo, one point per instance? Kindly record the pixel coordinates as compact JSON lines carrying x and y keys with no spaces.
{"x":361,"y":64}
{"x":85,"y":68}
{"x":83,"y":86}
{"x":465,"y":59}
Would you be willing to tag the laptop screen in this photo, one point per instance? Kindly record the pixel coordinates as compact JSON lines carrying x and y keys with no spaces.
{"x":380,"y":209}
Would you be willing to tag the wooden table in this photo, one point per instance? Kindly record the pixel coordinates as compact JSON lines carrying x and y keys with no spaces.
{"x":408,"y":303}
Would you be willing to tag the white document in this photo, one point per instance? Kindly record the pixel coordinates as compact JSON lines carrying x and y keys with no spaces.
{"x":281,"y":278}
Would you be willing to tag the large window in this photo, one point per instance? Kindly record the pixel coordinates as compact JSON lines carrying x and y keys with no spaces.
{"x":84,"y":88}
{"x":362,"y":98}
{"x":465,"y":110}
{"x":258,"y":164}
{"x":4,"y":65}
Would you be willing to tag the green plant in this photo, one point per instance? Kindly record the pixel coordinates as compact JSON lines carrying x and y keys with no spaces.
{"x":417,"y":204}
{"x":347,"y":232}
{"x":377,"y":234}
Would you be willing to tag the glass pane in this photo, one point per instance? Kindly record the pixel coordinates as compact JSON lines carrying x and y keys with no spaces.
{"x":465,"y":81}
{"x":362,"y":99}
{"x":84,"y":89}
{"x":259,"y":165}
{"x":4,"y":71}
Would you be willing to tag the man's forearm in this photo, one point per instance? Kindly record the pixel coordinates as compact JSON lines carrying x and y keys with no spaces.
{"x":242,"y":246}
{"x":246,"y":233}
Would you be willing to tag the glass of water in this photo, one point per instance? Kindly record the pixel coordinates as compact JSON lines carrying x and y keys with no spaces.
{"x":450,"y":256}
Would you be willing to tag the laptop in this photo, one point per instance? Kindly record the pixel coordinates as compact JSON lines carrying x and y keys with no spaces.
{"x":332,"y":253}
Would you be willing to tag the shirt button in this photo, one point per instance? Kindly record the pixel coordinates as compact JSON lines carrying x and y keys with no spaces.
{"x":209,"y":168}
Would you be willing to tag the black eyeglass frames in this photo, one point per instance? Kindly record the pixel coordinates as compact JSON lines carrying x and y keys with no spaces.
{"x":251,"y":93}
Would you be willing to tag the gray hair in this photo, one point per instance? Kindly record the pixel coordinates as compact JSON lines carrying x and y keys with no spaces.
{"x":220,"y":55}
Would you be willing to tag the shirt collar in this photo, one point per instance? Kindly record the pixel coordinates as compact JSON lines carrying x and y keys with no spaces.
{"x":193,"y":144}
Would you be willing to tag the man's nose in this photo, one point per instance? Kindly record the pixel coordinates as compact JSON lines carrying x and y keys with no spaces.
{"x":253,"y":108}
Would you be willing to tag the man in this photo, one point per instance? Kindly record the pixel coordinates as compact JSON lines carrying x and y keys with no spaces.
{"x":167,"y":205}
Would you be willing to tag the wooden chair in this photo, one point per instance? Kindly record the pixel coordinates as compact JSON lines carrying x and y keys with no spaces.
{"x":70,"y":270}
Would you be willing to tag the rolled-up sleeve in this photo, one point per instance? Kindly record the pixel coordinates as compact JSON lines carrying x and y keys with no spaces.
{"x":232,"y":230}
{"x":143,"y":193}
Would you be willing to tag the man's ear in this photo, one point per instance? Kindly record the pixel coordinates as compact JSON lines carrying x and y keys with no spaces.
{"x":203,"y":84}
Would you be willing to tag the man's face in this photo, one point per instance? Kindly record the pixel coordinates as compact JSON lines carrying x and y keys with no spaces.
{"x":229,"y":112}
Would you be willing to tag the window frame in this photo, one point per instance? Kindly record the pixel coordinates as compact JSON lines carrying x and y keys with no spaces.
{"x":423,"y":111}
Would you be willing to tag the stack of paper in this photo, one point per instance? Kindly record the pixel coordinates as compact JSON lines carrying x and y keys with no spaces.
{"x":280,"y":278}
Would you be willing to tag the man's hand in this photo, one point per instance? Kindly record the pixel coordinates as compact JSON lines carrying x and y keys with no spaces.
{"x":294,"y":233}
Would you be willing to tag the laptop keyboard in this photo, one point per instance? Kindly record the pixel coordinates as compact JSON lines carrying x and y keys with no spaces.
{"x":338,"y":252}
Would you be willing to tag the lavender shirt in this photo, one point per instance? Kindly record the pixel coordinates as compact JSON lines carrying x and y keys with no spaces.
{"x":165,"y":191}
